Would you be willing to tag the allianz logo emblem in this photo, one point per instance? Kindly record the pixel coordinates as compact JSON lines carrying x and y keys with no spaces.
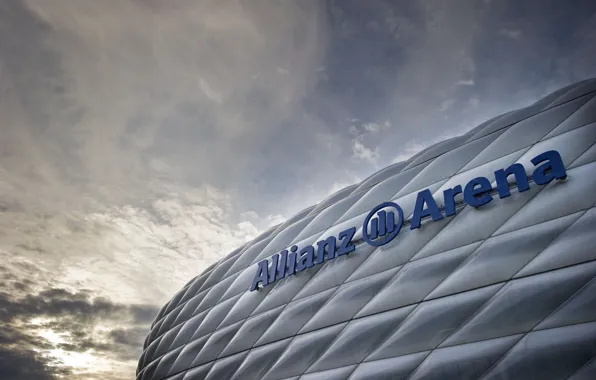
{"x":382,"y":225}
{"x":384,"y":222}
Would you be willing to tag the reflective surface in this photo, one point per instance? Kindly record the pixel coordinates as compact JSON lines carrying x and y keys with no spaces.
{"x":507,"y":291}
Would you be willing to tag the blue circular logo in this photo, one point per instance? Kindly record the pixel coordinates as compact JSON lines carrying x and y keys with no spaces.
{"x":384,"y":226}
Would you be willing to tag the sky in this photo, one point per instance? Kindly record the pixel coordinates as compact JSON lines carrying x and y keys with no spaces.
{"x":142,"y":140}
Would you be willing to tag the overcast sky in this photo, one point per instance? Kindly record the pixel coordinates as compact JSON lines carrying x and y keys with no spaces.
{"x":142,"y":140}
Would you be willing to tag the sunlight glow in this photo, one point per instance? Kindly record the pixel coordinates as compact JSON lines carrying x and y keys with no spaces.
{"x":78,"y":361}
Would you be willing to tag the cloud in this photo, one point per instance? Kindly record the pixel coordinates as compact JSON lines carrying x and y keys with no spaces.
{"x":119,"y":251}
{"x":249,"y":215}
{"x":248,"y":229}
{"x":361,"y":152}
{"x":157,"y":94}
{"x":26,"y":364}
{"x":53,"y":332}
{"x":372,"y":127}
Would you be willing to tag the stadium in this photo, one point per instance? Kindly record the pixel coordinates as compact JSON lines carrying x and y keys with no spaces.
{"x":473,"y":259}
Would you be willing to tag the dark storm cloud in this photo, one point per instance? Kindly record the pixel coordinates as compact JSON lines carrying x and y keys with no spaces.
{"x":56,"y":303}
{"x":75,"y":314}
{"x":19,"y":359}
{"x":128,"y":337}
{"x":80,"y":307}
{"x":23,"y":364}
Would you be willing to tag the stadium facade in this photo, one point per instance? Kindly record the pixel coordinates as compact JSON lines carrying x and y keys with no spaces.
{"x":474,"y":259}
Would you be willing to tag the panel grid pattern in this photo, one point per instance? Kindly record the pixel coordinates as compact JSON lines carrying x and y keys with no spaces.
{"x":508,"y":290}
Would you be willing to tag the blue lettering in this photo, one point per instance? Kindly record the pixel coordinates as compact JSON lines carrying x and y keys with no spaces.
{"x":449,"y":196}
{"x":262,"y":275}
{"x":477,"y":192}
{"x":283,"y":262}
{"x":326,"y":246}
{"x":306,"y":260}
{"x":346,"y":238}
{"x":521,"y":180}
{"x":292,"y":259}
{"x":478,"y":196}
{"x":554,"y":168}
{"x":425,"y":197}
{"x":273,"y":268}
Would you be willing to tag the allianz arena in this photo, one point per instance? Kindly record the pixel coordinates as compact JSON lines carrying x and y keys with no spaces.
{"x":494,"y":279}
